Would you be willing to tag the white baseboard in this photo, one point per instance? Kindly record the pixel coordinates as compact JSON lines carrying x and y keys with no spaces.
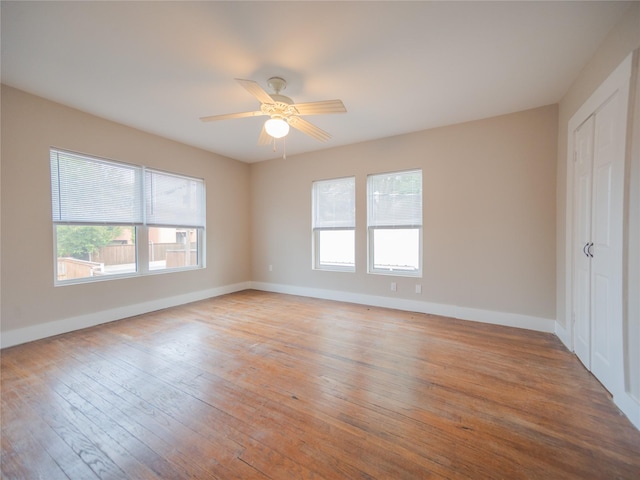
{"x":564,"y":334}
{"x":454,"y":311}
{"x":43,"y":330}
{"x":622,"y":399}
{"x":629,"y":406}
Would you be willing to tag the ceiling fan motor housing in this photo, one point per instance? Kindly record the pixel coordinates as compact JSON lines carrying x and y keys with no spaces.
{"x":279,"y":109}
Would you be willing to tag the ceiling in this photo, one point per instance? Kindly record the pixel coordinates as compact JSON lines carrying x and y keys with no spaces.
{"x":399,"y":67}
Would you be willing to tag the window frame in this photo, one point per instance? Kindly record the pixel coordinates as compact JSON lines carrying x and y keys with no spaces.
{"x":317,"y":230}
{"x":140,"y":228}
{"x":371,"y":229}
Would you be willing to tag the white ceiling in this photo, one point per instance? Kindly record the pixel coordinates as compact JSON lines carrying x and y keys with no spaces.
{"x":398,"y":67}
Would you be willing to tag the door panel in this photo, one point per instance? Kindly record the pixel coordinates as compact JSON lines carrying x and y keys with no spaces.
{"x":601,"y":334}
{"x":582,"y":327}
{"x":603,"y":270}
{"x":582,"y":237}
{"x":601,"y":218}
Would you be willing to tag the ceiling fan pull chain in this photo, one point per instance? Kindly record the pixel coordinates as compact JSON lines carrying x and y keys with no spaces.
{"x":284,"y":148}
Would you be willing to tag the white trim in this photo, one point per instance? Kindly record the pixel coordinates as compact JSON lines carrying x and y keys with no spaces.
{"x":629,"y":406}
{"x":43,"y":330}
{"x":619,"y":78}
{"x":454,"y":311}
{"x":564,"y":334}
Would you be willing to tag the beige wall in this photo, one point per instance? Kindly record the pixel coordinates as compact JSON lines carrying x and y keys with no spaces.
{"x":30,"y":125}
{"x":489,"y":214}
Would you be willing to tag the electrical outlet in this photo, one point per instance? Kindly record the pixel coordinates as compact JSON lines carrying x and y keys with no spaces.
{"x":394,"y":287}
{"x":271,"y":268}
{"x":418,"y":288}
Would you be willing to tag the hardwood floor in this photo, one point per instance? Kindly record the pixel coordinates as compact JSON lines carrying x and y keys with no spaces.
{"x":256,"y":385}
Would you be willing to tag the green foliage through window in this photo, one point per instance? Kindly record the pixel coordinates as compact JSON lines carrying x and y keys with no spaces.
{"x":80,"y":241}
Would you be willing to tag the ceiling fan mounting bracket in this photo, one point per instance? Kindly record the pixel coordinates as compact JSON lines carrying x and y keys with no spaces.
{"x":277,"y":84}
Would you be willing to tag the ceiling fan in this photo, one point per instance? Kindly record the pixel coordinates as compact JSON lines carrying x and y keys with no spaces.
{"x":282,"y":111}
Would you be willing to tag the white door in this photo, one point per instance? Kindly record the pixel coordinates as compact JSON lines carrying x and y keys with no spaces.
{"x":582,"y":240}
{"x":595,"y":229}
{"x":604,"y":283}
{"x":595,"y":285}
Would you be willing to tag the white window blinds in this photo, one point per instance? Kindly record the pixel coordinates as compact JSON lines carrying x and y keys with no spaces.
{"x":91,"y":190}
{"x":334,"y":203}
{"x":174,"y":200}
{"x":395,"y":199}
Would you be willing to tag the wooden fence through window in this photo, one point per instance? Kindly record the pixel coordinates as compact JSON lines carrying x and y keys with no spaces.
{"x":121,"y":254}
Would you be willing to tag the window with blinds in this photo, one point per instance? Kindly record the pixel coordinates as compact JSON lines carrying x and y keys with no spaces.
{"x":394,"y":222}
{"x":91,"y":190}
{"x":334,"y":222}
{"x":173,"y":200}
{"x":104,"y":212}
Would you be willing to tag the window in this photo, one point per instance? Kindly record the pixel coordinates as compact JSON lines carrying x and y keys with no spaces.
{"x":394,"y":202}
{"x":104,"y":211}
{"x":174,"y":206}
{"x":334,"y":222}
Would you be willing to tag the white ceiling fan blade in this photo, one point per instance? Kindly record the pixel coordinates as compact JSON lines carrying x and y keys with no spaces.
{"x":308,"y":128}
{"x":320,"y":108}
{"x":264,"y":138}
{"x":256,"y":90}
{"x":227,"y":116}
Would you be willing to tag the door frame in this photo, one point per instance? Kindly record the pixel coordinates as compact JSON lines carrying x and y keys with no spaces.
{"x":618,"y":81}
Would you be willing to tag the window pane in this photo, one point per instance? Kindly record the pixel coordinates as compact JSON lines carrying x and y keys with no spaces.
{"x":86,"y":251}
{"x":173,"y":248}
{"x":334,"y":203}
{"x":173,"y":200}
{"x":91,"y":190}
{"x":336,"y":248}
{"x":396,"y":249}
{"x":395,"y":199}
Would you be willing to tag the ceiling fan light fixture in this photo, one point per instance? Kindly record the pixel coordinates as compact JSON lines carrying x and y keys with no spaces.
{"x":276,"y":127}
